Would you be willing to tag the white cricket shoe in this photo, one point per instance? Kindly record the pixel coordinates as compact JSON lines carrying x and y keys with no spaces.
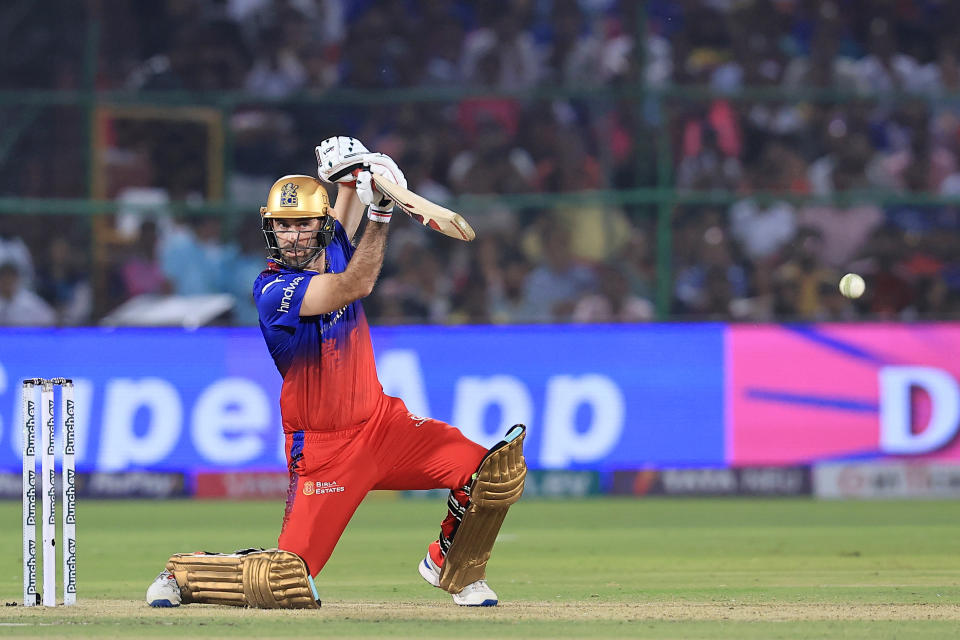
{"x":475,"y":594}
{"x":164,"y":591}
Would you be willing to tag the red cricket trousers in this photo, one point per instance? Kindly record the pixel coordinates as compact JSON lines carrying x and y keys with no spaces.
{"x":331,"y":472}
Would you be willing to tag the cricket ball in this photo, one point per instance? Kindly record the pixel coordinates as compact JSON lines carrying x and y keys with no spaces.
{"x":852,"y":286}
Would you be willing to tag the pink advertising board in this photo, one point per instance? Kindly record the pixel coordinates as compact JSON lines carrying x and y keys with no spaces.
{"x":800,"y":394}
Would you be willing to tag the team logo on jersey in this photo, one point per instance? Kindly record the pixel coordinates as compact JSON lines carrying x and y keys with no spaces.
{"x":308,"y":488}
{"x":288,"y":195}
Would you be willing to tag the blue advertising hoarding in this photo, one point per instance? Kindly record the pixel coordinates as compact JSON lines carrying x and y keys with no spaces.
{"x":593,"y":397}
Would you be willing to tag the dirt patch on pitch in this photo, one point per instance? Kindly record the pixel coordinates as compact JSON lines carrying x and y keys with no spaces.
{"x":654,"y":611}
{"x":512,"y":611}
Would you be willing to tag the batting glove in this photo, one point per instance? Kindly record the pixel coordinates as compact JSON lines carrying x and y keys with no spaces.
{"x":381,"y":164}
{"x":380,"y":207}
{"x":340,"y":158}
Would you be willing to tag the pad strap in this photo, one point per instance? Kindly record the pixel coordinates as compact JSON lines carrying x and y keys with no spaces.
{"x":262,"y":579}
{"x":497,"y":484}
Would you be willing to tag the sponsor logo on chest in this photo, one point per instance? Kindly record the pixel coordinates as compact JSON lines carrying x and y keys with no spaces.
{"x":288,"y":294}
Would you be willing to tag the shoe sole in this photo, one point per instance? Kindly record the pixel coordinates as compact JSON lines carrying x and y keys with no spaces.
{"x":485,"y":603}
{"x":165,"y":604}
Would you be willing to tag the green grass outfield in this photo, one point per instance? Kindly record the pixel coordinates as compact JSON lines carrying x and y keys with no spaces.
{"x":682,"y":568}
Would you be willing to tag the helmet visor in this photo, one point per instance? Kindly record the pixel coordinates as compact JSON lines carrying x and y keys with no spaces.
{"x":294,"y":247}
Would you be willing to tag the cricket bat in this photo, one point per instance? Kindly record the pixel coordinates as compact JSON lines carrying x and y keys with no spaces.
{"x":429,"y":214}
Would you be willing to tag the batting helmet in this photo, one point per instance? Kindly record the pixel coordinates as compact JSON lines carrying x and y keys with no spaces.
{"x":297,"y":197}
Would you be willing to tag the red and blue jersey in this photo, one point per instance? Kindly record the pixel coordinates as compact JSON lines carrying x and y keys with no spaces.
{"x":329,"y":373}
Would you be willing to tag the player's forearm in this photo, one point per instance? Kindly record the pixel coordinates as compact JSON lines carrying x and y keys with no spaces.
{"x":328,"y":292}
{"x":364,"y":267}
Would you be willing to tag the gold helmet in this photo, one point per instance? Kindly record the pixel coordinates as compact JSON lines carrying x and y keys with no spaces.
{"x":297,"y":197}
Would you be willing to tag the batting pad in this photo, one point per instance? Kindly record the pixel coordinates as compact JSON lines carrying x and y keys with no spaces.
{"x":258,"y":578}
{"x":497,"y":484}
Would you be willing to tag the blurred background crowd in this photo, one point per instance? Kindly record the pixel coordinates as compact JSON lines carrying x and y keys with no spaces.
{"x":664,"y":160}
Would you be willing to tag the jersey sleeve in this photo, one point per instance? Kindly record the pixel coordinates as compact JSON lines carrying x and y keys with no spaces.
{"x":340,"y":235}
{"x":279,"y":299}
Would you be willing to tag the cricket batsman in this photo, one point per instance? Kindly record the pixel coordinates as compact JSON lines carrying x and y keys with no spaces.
{"x":344,"y":436}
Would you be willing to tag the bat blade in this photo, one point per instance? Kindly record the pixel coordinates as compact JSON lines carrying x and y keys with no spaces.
{"x":429,"y":214}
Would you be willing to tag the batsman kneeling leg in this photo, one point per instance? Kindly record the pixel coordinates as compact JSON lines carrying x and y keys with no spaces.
{"x":497,"y":484}
{"x":258,"y":578}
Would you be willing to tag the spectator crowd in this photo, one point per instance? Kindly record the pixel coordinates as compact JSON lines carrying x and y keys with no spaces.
{"x":826,"y":133}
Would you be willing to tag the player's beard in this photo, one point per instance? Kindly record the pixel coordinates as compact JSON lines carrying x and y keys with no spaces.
{"x":304,"y":249}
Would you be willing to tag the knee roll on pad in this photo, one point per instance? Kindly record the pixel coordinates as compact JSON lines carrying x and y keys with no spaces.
{"x":497,"y":484}
{"x":257,"y":578}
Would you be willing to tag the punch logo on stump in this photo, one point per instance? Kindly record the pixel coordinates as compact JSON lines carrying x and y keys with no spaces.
{"x":30,"y":429}
{"x":30,"y":511}
{"x":288,"y":195}
{"x":70,"y":495}
{"x":69,"y":429}
{"x":49,"y":512}
{"x":70,"y":564}
{"x":49,"y":426}
{"x":31,"y":569}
